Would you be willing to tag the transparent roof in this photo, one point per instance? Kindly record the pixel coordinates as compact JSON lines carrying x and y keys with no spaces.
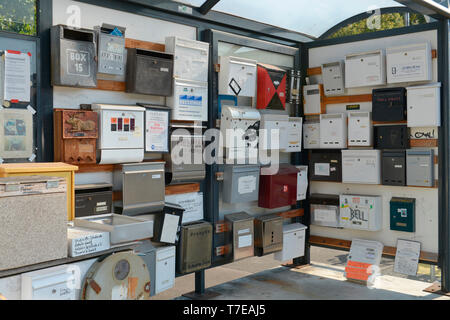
{"x":312,"y":17}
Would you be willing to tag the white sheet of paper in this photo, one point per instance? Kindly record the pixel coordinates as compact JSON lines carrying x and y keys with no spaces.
{"x":170,"y":228}
{"x":192,"y":203}
{"x":245,"y":241}
{"x":156,"y":138}
{"x":325,"y":215}
{"x":407,"y":257}
{"x":246,"y":184}
{"x":17,"y":71}
{"x":322,"y":169}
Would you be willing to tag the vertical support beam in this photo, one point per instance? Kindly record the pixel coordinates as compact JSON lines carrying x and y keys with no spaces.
{"x":44,"y":121}
{"x":444,"y":155}
{"x":200,"y":282}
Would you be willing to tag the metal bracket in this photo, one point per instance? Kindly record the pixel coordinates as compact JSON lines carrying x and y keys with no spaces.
{"x":436,"y":289}
{"x":222,"y":227}
{"x":217,"y":67}
{"x":222,"y":250}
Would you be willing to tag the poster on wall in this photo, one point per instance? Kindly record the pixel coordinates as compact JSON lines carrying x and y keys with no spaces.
{"x":16,"y":133}
{"x":15,"y":72}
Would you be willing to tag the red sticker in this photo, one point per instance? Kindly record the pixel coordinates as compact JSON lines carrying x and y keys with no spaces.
{"x":285,"y":188}
{"x":13,"y":52}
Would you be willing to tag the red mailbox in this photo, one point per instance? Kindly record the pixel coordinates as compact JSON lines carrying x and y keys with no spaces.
{"x":271,"y":87}
{"x":279,"y":190}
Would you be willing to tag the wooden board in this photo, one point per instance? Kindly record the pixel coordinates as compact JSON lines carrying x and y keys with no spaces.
{"x":89,"y":168}
{"x":387,"y":251}
{"x":348,"y":99}
{"x":291,"y":214}
{"x":424,"y":143}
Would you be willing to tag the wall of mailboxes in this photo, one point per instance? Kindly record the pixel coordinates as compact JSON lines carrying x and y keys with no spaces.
{"x":124,"y":135}
{"x":378,"y":142}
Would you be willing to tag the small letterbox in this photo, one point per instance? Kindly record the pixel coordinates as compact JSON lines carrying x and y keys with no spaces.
{"x":93,"y":199}
{"x":389,"y":104}
{"x":361,"y":212}
{"x":149,"y":72}
{"x":111,"y":49}
{"x":326,"y":165}
{"x":268,"y":234}
{"x":393,"y":168}
{"x":403,"y":214}
{"x":420,"y":168}
{"x":241,"y":183}
{"x":194,"y":251}
{"x":279,"y":190}
{"x":74,"y":57}
{"x":240,"y":235}
{"x":325,"y":210}
{"x":392,"y":137}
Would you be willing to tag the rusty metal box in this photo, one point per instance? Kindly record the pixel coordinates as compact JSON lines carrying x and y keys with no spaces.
{"x":75,"y":136}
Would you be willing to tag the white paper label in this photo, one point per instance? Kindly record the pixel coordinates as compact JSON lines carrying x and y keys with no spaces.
{"x":246,"y":184}
{"x":17,"y":76}
{"x":88,"y":244}
{"x":245,"y":241}
{"x":156,"y":176}
{"x":322,"y":169}
{"x":325,"y":215}
{"x":243,"y":231}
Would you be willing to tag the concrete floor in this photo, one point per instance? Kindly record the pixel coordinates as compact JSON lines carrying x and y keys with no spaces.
{"x":263,"y":278}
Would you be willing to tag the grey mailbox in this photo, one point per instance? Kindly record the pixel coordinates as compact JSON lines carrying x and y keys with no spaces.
{"x":241,"y":183}
{"x":73,"y":55}
{"x":420,"y":168}
{"x":111,"y":49}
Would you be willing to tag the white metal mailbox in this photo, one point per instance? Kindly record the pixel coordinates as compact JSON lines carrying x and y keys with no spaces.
{"x":360,"y":129}
{"x":273,"y":123}
{"x":311,"y":135}
{"x":361,"y":166}
{"x":237,"y":76}
{"x":294,"y":135}
{"x":365,"y":69}
{"x":121,"y":134}
{"x":165,"y":268}
{"x":240,"y":123}
{"x":409,"y":63}
{"x":333,"y":131}
{"x":360,"y":212}
{"x":191,"y":58}
{"x":312,"y":99}
{"x":189,"y":101}
{"x":293,"y":242}
{"x":302,"y":182}
{"x":424,"y":105}
{"x":333,"y":78}
{"x":57,"y":283}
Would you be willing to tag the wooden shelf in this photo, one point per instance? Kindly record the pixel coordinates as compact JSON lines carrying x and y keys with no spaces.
{"x":347,"y":99}
{"x":403,"y":122}
{"x":387,"y":251}
{"x":291,"y":214}
{"x":424,"y":143}
{"x":89,"y":168}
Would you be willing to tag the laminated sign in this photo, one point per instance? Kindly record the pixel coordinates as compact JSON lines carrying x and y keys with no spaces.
{"x":364,"y":260}
{"x":15,"y":73}
{"x":16,"y":133}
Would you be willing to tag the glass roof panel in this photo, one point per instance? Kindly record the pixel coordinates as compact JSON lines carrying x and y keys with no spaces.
{"x":312,"y":17}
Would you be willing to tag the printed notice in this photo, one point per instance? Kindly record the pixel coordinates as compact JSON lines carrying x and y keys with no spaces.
{"x":246,"y":184}
{"x":322,"y":169}
{"x":325,"y":215}
{"x":245,"y":241}
{"x":17,"y":76}
{"x":156,"y":139}
{"x":192,"y":203}
{"x":407,"y":257}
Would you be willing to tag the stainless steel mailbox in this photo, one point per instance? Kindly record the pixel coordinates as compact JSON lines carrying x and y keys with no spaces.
{"x":420,"y":168}
{"x":188,"y":138}
{"x":241,"y":183}
{"x":268,"y":234}
{"x":142,"y":186}
{"x":74,"y":57}
{"x":240,"y":235}
{"x":149,"y":72}
{"x":111,"y":49}
{"x":194,"y":251}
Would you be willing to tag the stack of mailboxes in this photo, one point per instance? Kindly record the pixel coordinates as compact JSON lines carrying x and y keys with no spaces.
{"x":363,"y":146}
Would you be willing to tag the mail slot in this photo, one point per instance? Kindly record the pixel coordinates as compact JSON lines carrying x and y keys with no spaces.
{"x":166,"y":226}
{"x":241,"y":183}
{"x":142,"y":186}
{"x":325,"y":210}
{"x":389,"y":104}
{"x":278,"y":190}
{"x":185,"y":139}
{"x":392,"y":137}
{"x":268,"y":234}
{"x":93,"y":199}
{"x":111,"y":49}
{"x":240,"y":236}
{"x":326,"y":165}
{"x":420,"y":168}
{"x":149,"y":72}
{"x":73,"y":55}
{"x":194,"y":251}
{"x":394,"y":168}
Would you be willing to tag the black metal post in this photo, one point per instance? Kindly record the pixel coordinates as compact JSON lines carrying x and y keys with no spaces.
{"x":200,"y":282}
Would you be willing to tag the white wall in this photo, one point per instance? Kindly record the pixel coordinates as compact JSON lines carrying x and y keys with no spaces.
{"x":426,"y":199}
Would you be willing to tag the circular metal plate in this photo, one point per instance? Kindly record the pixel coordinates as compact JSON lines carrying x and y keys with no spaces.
{"x":120,"y":276}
